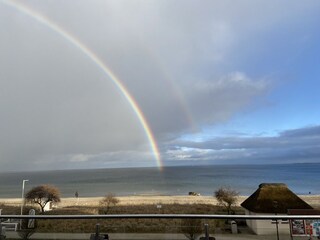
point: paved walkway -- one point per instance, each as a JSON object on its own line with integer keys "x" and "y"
{"x": 153, "y": 236}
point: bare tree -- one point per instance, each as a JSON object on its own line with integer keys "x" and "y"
{"x": 226, "y": 197}
{"x": 191, "y": 228}
{"x": 108, "y": 201}
{"x": 42, "y": 195}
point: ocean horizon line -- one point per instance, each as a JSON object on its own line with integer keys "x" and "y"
{"x": 155, "y": 167}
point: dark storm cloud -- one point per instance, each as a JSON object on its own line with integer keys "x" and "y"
{"x": 297, "y": 145}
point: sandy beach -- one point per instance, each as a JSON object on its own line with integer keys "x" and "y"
{"x": 313, "y": 200}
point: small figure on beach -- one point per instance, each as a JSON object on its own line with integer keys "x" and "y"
{"x": 76, "y": 194}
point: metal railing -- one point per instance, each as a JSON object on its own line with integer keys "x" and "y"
{"x": 165, "y": 216}
{"x": 51, "y": 225}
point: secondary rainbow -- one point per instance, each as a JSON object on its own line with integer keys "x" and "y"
{"x": 94, "y": 58}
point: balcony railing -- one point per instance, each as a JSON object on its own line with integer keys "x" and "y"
{"x": 160, "y": 226}
{"x": 165, "y": 216}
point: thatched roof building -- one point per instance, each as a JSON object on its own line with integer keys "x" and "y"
{"x": 274, "y": 198}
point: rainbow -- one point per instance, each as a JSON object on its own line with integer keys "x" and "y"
{"x": 173, "y": 87}
{"x": 99, "y": 63}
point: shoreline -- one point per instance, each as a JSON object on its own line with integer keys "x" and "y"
{"x": 313, "y": 200}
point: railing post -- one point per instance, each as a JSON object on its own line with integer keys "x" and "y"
{"x": 277, "y": 229}
{"x": 206, "y": 231}
{"x": 275, "y": 205}
{"x": 97, "y": 231}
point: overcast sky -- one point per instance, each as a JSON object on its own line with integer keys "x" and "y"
{"x": 219, "y": 82}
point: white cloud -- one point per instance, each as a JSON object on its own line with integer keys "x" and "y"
{"x": 216, "y": 100}
{"x": 80, "y": 158}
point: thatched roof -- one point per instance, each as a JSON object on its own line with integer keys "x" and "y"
{"x": 303, "y": 212}
{"x": 274, "y": 198}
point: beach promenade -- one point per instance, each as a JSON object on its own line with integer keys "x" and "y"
{"x": 153, "y": 236}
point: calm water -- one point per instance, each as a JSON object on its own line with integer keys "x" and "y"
{"x": 300, "y": 178}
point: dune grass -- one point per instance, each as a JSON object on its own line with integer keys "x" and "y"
{"x": 124, "y": 225}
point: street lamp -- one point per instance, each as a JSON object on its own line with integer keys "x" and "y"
{"x": 22, "y": 195}
{"x": 22, "y": 199}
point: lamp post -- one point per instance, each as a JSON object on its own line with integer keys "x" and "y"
{"x": 22, "y": 195}
{"x": 22, "y": 199}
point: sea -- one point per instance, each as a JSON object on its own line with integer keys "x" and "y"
{"x": 300, "y": 178}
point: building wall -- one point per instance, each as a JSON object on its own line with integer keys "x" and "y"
{"x": 261, "y": 227}
{"x": 251, "y": 223}
{"x": 48, "y": 207}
